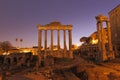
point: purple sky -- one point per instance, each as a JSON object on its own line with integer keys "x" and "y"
{"x": 18, "y": 18}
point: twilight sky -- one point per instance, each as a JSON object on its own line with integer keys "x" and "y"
{"x": 19, "y": 18}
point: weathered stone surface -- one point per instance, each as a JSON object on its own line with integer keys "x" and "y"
{"x": 52, "y": 27}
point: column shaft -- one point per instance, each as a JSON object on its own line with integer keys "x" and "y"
{"x": 109, "y": 36}
{"x": 70, "y": 44}
{"x": 65, "y": 48}
{"x": 102, "y": 36}
{"x": 99, "y": 36}
{"x": 58, "y": 39}
{"x": 65, "y": 40}
{"x": 104, "y": 56}
{"x": 45, "y": 39}
{"x": 70, "y": 40}
{"x": 39, "y": 40}
{"x": 51, "y": 41}
{"x": 110, "y": 41}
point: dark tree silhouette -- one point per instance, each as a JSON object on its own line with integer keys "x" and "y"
{"x": 6, "y": 46}
{"x": 16, "y": 39}
{"x": 85, "y": 40}
{"x": 21, "y": 40}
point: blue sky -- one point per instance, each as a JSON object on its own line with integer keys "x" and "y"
{"x": 19, "y": 18}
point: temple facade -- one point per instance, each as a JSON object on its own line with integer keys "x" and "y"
{"x": 52, "y": 27}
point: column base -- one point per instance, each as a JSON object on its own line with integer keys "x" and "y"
{"x": 102, "y": 56}
{"x": 110, "y": 55}
{"x": 64, "y": 53}
{"x": 71, "y": 54}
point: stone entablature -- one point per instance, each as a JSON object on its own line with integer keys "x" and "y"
{"x": 64, "y": 27}
{"x": 54, "y": 26}
{"x": 101, "y": 18}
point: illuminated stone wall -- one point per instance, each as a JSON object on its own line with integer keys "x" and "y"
{"x": 94, "y": 37}
{"x": 114, "y": 15}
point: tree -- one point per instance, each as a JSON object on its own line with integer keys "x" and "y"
{"x": 16, "y": 42}
{"x": 85, "y": 40}
{"x": 89, "y": 39}
{"x": 16, "y": 39}
{"x": 6, "y": 46}
{"x": 21, "y": 40}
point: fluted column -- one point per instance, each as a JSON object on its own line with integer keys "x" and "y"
{"x": 39, "y": 40}
{"x": 45, "y": 39}
{"x": 99, "y": 36}
{"x": 51, "y": 42}
{"x": 109, "y": 36}
{"x": 110, "y": 41}
{"x": 104, "y": 56}
{"x": 65, "y": 49}
{"x": 70, "y": 44}
{"x": 58, "y": 39}
{"x": 99, "y": 57}
{"x": 45, "y": 43}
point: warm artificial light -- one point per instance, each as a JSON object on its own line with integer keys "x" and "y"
{"x": 94, "y": 41}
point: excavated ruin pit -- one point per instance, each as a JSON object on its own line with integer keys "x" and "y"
{"x": 83, "y": 75}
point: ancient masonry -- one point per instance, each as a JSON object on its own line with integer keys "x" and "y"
{"x": 52, "y": 27}
{"x": 104, "y": 54}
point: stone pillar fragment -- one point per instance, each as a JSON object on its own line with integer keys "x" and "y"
{"x": 39, "y": 41}
{"x": 111, "y": 53}
{"x": 58, "y": 39}
{"x": 104, "y": 53}
{"x": 99, "y": 57}
{"x": 45, "y": 43}
{"x": 109, "y": 36}
{"x": 65, "y": 48}
{"x": 58, "y": 44}
{"x": 104, "y": 56}
{"x": 99, "y": 37}
{"x": 51, "y": 42}
{"x": 70, "y": 44}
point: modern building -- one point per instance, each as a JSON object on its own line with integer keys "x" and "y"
{"x": 114, "y": 15}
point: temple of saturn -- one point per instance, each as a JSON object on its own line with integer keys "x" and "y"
{"x": 104, "y": 54}
{"x": 52, "y": 27}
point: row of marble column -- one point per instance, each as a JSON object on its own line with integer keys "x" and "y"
{"x": 52, "y": 41}
{"x": 101, "y": 39}
{"x": 101, "y": 34}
